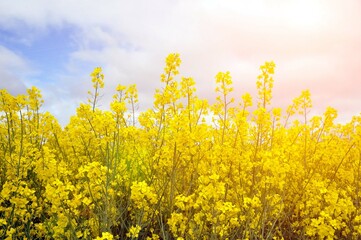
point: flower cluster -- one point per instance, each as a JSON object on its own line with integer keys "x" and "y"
{"x": 184, "y": 169}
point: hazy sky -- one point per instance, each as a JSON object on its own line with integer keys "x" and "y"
{"x": 55, "y": 45}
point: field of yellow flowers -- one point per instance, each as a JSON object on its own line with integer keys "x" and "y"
{"x": 185, "y": 169}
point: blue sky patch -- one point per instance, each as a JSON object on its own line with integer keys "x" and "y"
{"x": 47, "y": 51}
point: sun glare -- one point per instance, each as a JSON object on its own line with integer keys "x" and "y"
{"x": 307, "y": 15}
{"x": 304, "y": 15}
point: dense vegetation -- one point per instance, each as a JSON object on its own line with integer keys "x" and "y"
{"x": 185, "y": 169}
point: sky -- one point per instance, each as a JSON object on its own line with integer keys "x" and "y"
{"x": 55, "y": 45}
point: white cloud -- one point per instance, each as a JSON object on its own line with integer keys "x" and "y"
{"x": 312, "y": 43}
{"x": 13, "y": 68}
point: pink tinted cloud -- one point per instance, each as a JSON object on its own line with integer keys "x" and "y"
{"x": 324, "y": 56}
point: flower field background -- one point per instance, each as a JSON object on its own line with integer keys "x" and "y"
{"x": 185, "y": 169}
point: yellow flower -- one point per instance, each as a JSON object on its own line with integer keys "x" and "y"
{"x": 2, "y": 221}
{"x": 134, "y": 231}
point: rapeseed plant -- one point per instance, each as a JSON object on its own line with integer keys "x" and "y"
{"x": 265, "y": 173}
